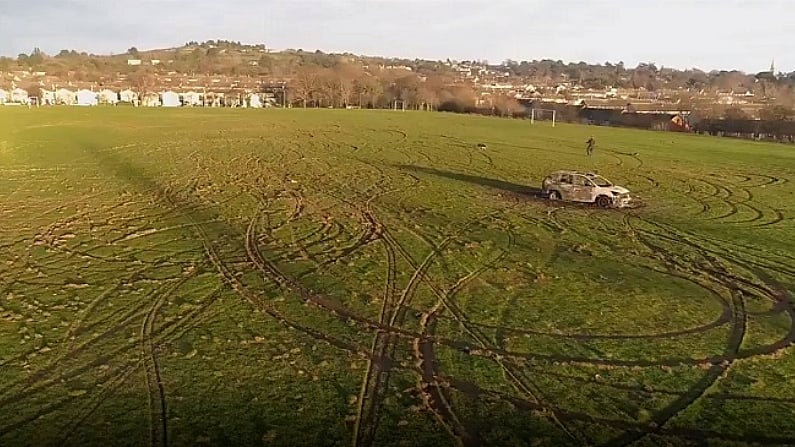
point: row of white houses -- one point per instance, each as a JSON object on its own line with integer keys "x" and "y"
{"x": 168, "y": 98}
{"x": 15, "y": 96}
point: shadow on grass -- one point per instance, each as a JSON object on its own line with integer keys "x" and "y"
{"x": 503, "y": 185}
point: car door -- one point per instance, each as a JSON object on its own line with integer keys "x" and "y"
{"x": 581, "y": 190}
{"x": 566, "y": 186}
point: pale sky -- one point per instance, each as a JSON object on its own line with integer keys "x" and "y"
{"x": 708, "y": 34}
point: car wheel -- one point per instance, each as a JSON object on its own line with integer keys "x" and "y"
{"x": 554, "y": 195}
{"x": 604, "y": 202}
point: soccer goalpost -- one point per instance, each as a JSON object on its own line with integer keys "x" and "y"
{"x": 543, "y": 115}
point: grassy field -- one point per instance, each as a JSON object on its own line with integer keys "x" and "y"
{"x": 241, "y": 277}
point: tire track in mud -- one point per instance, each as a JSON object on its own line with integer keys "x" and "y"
{"x": 427, "y": 360}
{"x": 762, "y": 285}
{"x": 634, "y": 156}
{"x": 723, "y": 318}
{"x": 392, "y": 328}
{"x": 525, "y": 406}
{"x": 386, "y": 333}
{"x": 327, "y": 304}
{"x": 697, "y": 391}
{"x": 399, "y": 144}
{"x": 376, "y": 373}
{"x": 108, "y": 388}
{"x": 725, "y": 195}
{"x": 718, "y": 365}
{"x": 43, "y": 378}
{"x": 79, "y": 321}
{"x": 158, "y": 422}
{"x": 169, "y": 332}
{"x": 513, "y": 372}
{"x": 702, "y": 198}
{"x": 675, "y": 235}
{"x": 731, "y": 352}
{"x": 434, "y": 395}
{"x": 387, "y": 348}
{"x": 376, "y": 359}
{"x": 131, "y": 363}
{"x": 51, "y": 407}
{"x": 692, "y": 194}
{"x": 722, "y": 194}
{"x": 371, "y": 390}
{"x": 66, "y": 339}
{"x": 734, "y": 204}
{"x": 230, "y": 277}
{"x": 768, "y": 181}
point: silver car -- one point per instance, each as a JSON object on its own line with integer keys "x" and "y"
{"x": 587, "y": 187}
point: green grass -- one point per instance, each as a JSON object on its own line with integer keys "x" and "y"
{"x": 230, "y": 277}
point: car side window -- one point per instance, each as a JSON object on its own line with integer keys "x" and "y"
{"x": 579, "y": 180}
{"x": 565, "y": 179}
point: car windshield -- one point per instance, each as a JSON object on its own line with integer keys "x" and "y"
{"x": 601, "y": 181}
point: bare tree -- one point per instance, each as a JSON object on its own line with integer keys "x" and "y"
{"x": 458, "y": 98}
{"x": 506, "y": 106}
{"x": 347, "y": 75}
{"x": 34, "y": 91}
{"x": 369, "y": 89}
{"x": 143, "y": 80}
{"x": 404, "y": 88}
{"x": 305, "y": 84}
{"x": 326, "y": 92}
{"x": 427, "y": 98}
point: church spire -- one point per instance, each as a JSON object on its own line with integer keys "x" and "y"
{"x": 773, "y": 66}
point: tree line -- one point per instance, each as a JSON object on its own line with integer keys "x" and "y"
{"x": 223, "y": 57}
{"x": 318, "y": 79}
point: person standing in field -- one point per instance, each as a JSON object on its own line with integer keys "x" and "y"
{"x": 590, "y": 145}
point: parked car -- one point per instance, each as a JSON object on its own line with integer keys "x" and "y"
{"x": 574, "y": 186}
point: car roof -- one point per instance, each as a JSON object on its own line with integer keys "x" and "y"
{"x": 587, "y": 174}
